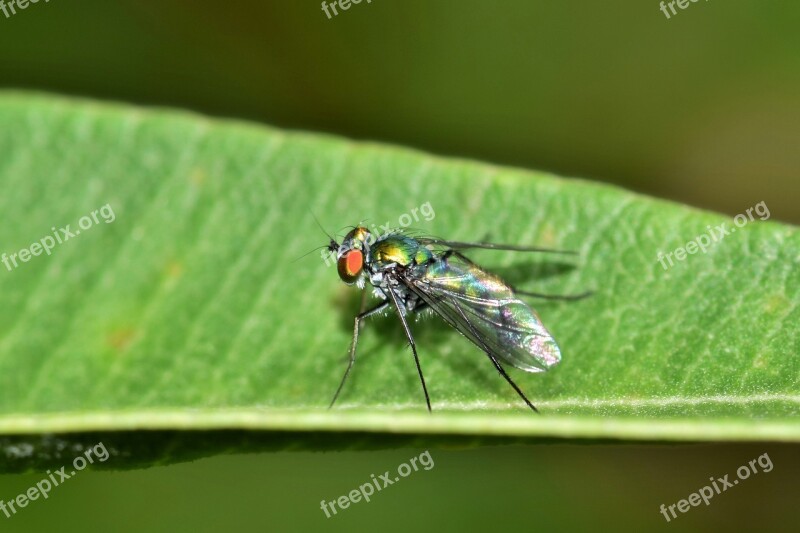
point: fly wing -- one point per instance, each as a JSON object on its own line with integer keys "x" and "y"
{"x": 486, "y": 311}
{"x": 458, "y": 245}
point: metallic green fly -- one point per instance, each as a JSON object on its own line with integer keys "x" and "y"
{"x": 411, "y": 274}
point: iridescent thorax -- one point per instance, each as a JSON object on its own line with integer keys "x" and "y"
{"x": 401, "y": 250}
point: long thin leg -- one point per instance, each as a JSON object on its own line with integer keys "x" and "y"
{"x": 410, "y": 337}
{"x": 494, "y": 359}
{"x": 511, "y": 382}
{"x": 359, "y": 319}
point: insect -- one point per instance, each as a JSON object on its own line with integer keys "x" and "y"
{"x": 413, "y": 274}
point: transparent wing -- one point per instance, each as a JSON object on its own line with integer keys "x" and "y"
{"x": 486, "y": 311}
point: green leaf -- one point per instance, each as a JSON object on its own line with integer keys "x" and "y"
{"x": 190, "y": 311}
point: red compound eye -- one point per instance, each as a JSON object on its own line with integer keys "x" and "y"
{"x": 350, "y": 265}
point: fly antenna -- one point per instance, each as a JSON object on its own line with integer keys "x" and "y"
{"x": 320, "y": 226}
{"x": 332, "y": 244}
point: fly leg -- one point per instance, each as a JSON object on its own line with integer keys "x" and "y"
{"x": 356, "y": 328}
{"x": 494, "y": 359}
{"x": 411, "y": 342}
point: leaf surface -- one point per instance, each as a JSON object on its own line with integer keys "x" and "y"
{"x": 191, "y": 311}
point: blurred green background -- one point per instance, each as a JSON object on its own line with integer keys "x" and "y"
{"x": 703, "y": 108}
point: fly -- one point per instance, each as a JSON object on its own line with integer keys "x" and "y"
{"x": 410, "y": 274}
